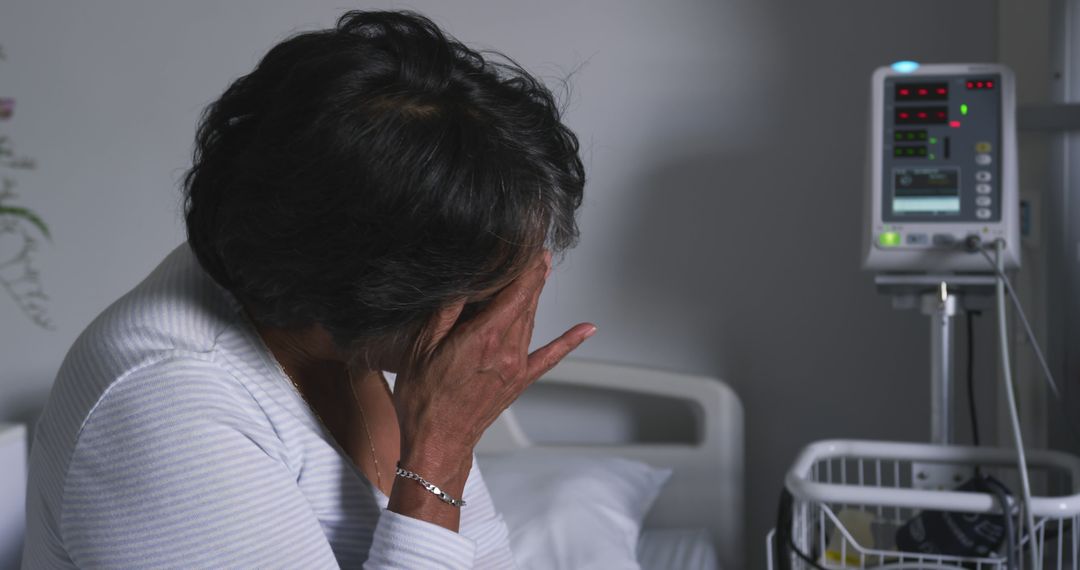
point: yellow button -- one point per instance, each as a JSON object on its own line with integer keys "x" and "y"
{"x": 983, "y": 147}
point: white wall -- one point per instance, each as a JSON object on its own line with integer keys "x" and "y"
{"x": 724, "y": 143}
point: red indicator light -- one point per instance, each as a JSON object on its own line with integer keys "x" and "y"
{"x": 954, "y": 124}
{"x": 923, "y": 92}
{"x": 942, "y": 91}
{"x": 989, "y": 84}
{"x": 921, "y": 115}
{"x": 903, "y": 115}
{"x": 941, "y": 114}
{"x": 905, "y": 92}
{"x": 970, "y": 84}
{"x": 979, "y": 84}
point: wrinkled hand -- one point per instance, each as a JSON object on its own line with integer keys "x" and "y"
{"x": 463, "y": 375}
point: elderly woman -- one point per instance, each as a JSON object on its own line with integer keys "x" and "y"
{"x": 373, "y": 197}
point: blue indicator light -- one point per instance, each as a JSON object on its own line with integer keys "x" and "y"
{"x": 905, "y": 66}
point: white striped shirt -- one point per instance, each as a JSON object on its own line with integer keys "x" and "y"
{"x": 171, "y": 439}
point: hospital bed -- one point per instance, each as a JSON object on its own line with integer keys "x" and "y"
{"x": 584, "y": 412}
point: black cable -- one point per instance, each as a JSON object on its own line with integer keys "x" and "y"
{"x": 971, "y": 378}
{"x": 784, "y": 516}
{"x": 794, "y": 548}
{"x": 785, "y": 542}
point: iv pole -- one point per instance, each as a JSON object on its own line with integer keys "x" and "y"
{"x": 941, "y": 308}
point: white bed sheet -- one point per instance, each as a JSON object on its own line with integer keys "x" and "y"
{"x": 684, "y": 549}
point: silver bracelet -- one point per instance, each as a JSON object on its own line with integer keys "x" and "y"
{"x": 402, "y": 472}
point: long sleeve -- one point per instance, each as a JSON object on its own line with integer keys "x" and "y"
{"x": 169, "y": 471}
{"x": 483, "y": 543}
{"x": 405, "y": 543}
{"x": 483, "y": 531}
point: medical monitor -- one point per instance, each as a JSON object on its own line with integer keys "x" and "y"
{"x": 942, "y": 167}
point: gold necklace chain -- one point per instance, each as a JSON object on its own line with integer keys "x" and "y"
{"x": 367, "y": 430}
{"x": 363, "y": 416}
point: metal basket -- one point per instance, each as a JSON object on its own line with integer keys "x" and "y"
{"x": 883, "y": 485}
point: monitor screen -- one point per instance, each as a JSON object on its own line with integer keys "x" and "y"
{"x": 926, "y": 191}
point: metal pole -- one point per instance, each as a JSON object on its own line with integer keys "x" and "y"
{"x": 941, "y": 307}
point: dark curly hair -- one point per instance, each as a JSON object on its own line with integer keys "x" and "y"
{"x": 363, "y": 176}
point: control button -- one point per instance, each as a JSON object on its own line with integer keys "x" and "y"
{"x": 983, "y": 213}
{"x": 944, "y": 239}
{"x": 983, "y": 201}
{"x": 983, "y": 146}
{"x": 984, "y": 176}
{"x": 889, "y": 239}
{"x": 918, "y": 239}
{"x": 983, "y": 188}
{"x": 983, "y": 159}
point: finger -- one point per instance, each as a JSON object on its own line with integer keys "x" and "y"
{"x": 442, "y": 322}
{"x": 508, "y": 305}
{"x": 546, "y": 357}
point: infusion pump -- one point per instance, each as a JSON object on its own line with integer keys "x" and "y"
{"x": 942, "y": 167}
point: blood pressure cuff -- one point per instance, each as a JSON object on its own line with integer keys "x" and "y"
{"x": 953, "y": 533}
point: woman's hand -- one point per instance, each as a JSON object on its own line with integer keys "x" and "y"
{"x": 463, "y": 375}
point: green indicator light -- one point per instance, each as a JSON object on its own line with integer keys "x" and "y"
{"x": 889, "y": 239}
{"x": 932, "y": 157}
{"x": 933, "y": 140}
{"x": 963, "y": 109}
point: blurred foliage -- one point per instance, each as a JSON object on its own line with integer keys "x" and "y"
{"x": 20, "y": 228}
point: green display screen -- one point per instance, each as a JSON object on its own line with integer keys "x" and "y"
{"x": 917, "y": 135}
{"x": 909, "y": 151}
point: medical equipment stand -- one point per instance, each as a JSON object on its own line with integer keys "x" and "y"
{"x": 941, "y": 308}
{"x": 941, "y": 297}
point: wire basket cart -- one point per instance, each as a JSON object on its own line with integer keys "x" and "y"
{"x": 849, "y": 498}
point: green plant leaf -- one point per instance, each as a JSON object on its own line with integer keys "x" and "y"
{"x": 28, "y": 216}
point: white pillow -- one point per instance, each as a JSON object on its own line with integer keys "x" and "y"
{"x": 569, "y": 511}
